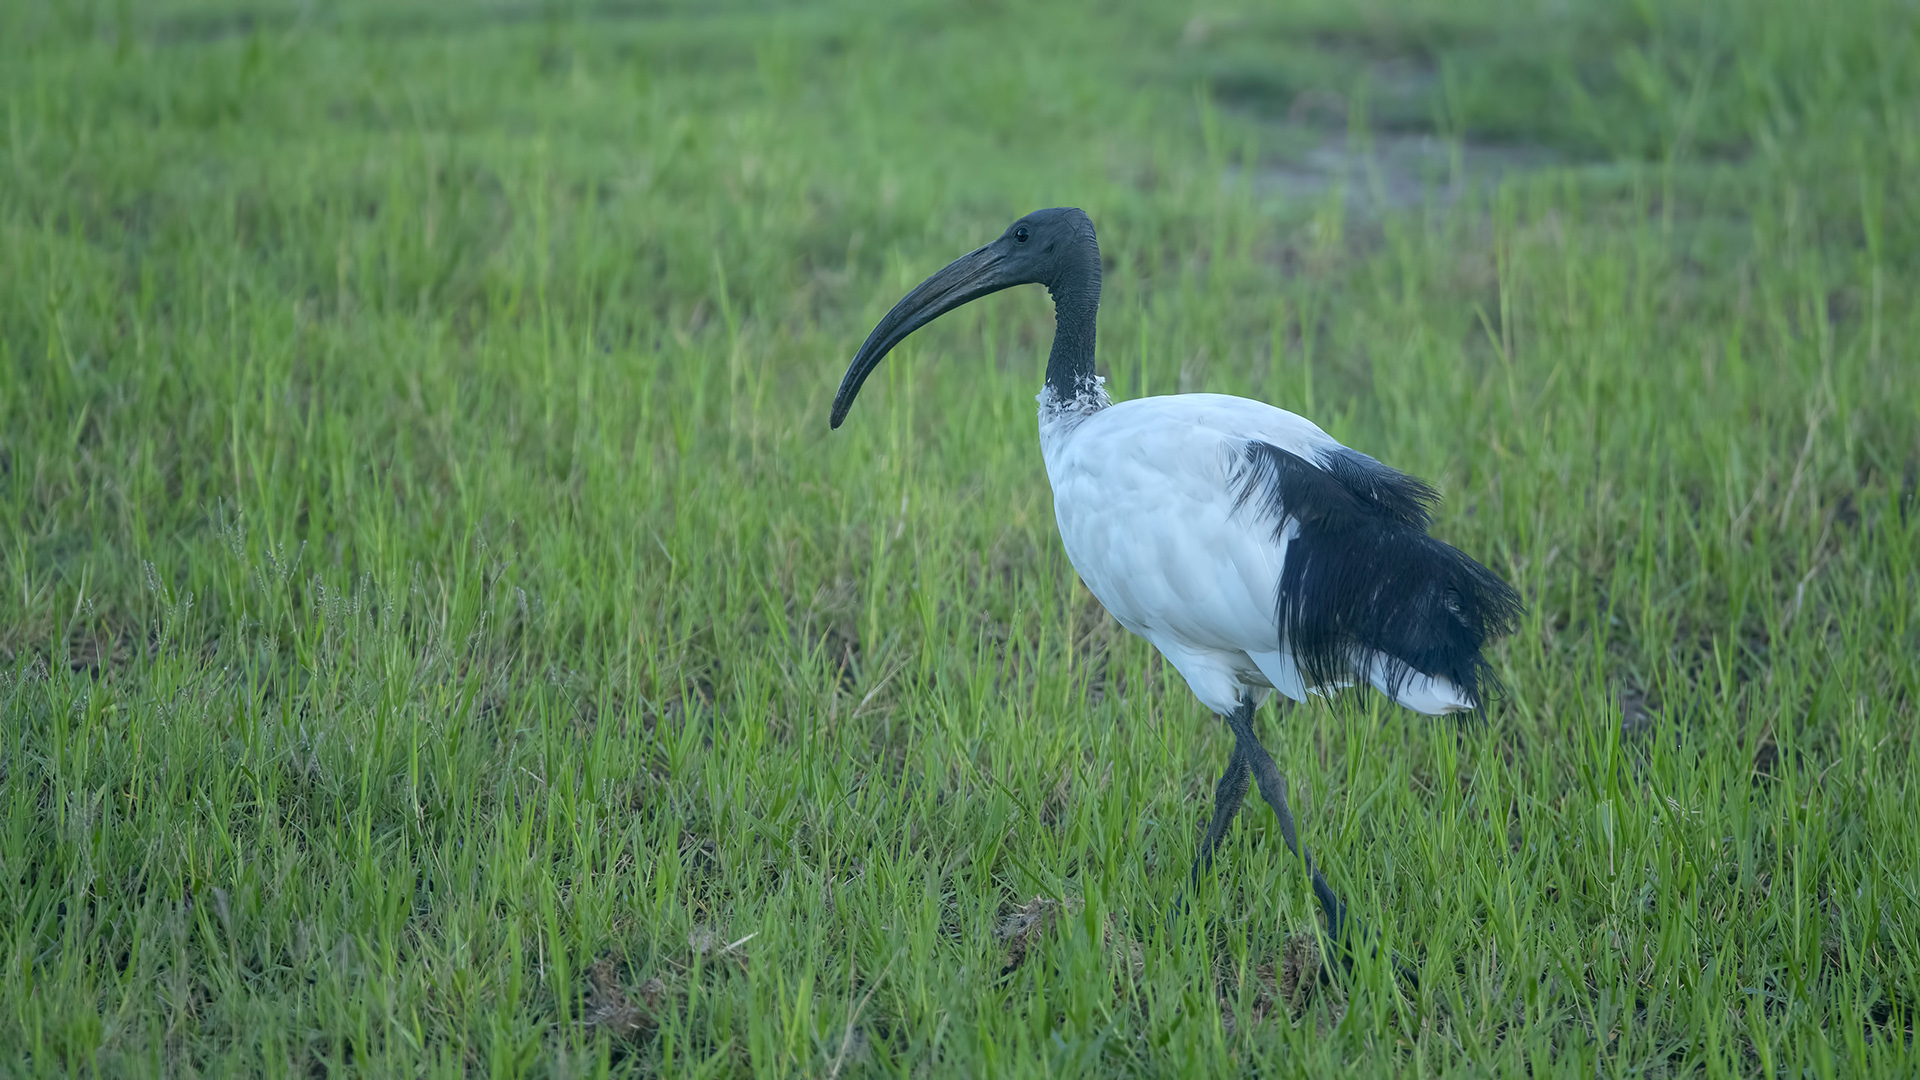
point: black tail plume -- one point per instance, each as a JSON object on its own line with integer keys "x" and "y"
{"x": 1362, "y": 575}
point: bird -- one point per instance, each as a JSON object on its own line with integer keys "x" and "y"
{"x": 1256, "y": 553}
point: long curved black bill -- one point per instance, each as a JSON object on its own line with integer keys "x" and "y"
{"x": 967, "y": 278}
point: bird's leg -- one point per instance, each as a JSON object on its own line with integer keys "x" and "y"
{"x": 1227, "y": 797}
{"x": 1273, "y": 788}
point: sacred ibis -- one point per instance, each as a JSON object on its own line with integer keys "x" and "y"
{"x": 1255, "y": 552}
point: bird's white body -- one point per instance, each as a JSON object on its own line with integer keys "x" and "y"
{"x": 1152, "y": 518}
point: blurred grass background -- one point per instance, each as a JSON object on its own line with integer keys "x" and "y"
{"x": 439, "y": 634}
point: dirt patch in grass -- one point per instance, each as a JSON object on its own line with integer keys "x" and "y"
{"x": 1286, "y": 986}
{"x": 1395, "y": 171}
{"x": 1023, "y": 928}
{"x": 610, "y": 1009}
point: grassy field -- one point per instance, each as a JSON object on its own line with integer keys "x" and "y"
{"x": 439, "y": 634}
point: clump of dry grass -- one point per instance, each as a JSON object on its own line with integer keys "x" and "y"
{"x": 611, "y": 1010}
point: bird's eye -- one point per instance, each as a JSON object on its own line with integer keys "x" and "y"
{"x": 1020, "y": 234}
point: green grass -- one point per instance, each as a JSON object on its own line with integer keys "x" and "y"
{"x": 439, "y": 634}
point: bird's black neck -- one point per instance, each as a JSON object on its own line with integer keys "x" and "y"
{"x": 1076, "y": 306}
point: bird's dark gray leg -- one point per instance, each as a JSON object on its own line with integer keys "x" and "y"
{"x": 1273, "y": 788}
{"x": 1227, "y": 797}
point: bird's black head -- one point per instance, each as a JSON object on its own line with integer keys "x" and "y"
{"x": 1048, "y": 247}
{"x": 1055, "y": 248}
